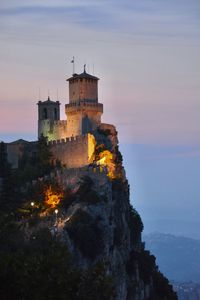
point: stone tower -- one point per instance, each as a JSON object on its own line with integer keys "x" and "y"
{"x": 83, "y": 111}
{"x": 48, "y": 113}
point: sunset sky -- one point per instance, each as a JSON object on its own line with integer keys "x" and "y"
{"x": 146, "y": 54}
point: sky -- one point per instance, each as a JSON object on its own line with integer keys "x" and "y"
{"x": 146, "y": 54}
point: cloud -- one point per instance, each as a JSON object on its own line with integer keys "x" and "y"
{"x": 145, "y": 52}
{"x": 145, "y": 19}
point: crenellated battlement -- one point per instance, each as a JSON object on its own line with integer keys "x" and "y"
{"x": 72, "y": 139}
{"x": 74, "y": 152}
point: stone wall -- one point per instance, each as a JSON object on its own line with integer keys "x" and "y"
{"x": 74, "y": 152}
{"x": 83, "y": 117}
{"x": 16, "y": 149}
{"x": 80, "y": 89}
{"x": 71, "y": 177}
{"x": 53, "y": 130}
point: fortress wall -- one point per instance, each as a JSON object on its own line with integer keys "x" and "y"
{"x": 43, "y": 127}
{"x": 53, "y": 130}
{"x": 14, "y": 152}
{"x": 60, "y": 129}
{"x": 74, "y": 152}
{"x": 74, "y": 124}
{"x": 70, "y": 177}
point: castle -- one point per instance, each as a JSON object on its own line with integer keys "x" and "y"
{"x": 72, "y": 141}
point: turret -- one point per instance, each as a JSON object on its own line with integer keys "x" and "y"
{"x": 83, "y": 87}
{"x": 83, "y": 111}
{"x": 48, "y": 113}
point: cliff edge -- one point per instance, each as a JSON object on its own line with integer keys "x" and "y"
{"x": 76, "y": 233}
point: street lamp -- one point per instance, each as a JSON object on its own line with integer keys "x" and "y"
{"x": 56, "y": 212}
{"x": 32, "y": 204}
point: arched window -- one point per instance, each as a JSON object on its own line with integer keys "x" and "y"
{"x": 45, "y": 116}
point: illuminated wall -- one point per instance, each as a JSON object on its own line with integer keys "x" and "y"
{"x": 74, "y": 152}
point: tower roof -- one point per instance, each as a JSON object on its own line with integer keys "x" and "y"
{"x": 49, "y": 101}
{"x": 83, "y": 75}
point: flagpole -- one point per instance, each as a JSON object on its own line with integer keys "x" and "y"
{"x": 73, "y": 62}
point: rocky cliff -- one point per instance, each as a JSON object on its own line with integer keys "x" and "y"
{"x": 109, "y": 229}
{"x": 89, "y": 211}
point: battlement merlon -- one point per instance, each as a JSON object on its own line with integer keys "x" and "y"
{"x": 82, "y": 106}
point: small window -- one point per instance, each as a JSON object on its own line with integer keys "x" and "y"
{"x": 55, "y": 114}
{"x": 45, "y": 116}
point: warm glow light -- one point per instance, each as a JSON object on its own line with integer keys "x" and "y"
{"x": 32, "y": 203}
{"x": 52, "y": 198}
{"x": 91, "y": 147}
{"x": 56, "y": 211}
{"x": 106, "y": 159}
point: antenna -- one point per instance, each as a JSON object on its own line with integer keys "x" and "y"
{"x": 48, "y": 95}
{"x": 57, "y": 94}
{"x": 73, "y": 62}
{"x": 93, "y": 68}
{"x": 39, "y": 93}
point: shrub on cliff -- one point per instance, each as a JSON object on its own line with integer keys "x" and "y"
{"x": 105, "y": 132}
{"x": 135, "y": 225}
{"x": 162, "y": 288}
{"x": 150, "y": 274}
{"x": 42, "y": 268}
{"x": 86, "y": 192}
{"x": 34, "y": 164}
{"x": 6, "y": 180}
{"x": 86, "y": 234}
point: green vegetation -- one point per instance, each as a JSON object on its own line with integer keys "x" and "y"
{"x": 86, "y": 234}
{"x": 148, "y": 272}
{"x": 69, "y": 197}
{"x": 86, "y": 192}
{"x": 119, "y": 157}
{"x": 6, "y": 179}
{"x": 33, "y": 263}
{"x": 41, "y": 267}
{"x": 98, "y": 149}
{"x": 32, "y": 259}
{"x": 35, "y": 164}
{"x": 13, "y": 182}
{"x": 105, "y": 132}
{"x": 135, "y": 225}
{"x": 162, "y": 288}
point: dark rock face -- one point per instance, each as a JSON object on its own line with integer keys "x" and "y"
{"x": 96, "y": 225}
{"x": 101, "y": 225}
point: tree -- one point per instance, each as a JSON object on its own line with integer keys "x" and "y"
{"x": 6, "y": 183}
{"x": 44, "y": 157}
{"x": 3, "y": 159}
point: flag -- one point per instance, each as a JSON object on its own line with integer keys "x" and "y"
{"x": 72, "y": 61}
